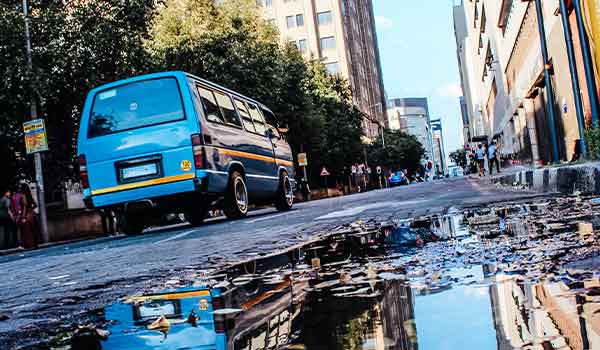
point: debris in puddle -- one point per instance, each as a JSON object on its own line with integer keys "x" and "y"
{"x": 336, "y": 291}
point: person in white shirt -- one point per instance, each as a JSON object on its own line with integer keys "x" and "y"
{"x": 480, "y": 158}
{"x": 493, "y": 158}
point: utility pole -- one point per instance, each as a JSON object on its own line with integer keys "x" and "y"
{"x": 590, "y": 78}
{"x": 574, "y": 75}
{"x": 548, "y": 81}
{"x": 39, "y": 174}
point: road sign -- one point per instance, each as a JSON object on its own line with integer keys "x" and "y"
{"x": 378, "y": 169}
{"x": 324, "y": 172}
{"x": 302, "y": 159}
{"x": 35, "y": 136}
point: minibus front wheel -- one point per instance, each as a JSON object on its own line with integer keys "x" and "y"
{"x": 285, "y": 193}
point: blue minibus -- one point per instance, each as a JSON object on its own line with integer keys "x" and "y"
{"x": 174, "y": 143}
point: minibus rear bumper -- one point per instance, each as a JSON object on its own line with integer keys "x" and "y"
{"x": 198, "y": 185}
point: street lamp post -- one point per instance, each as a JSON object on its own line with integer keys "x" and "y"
{"x": 39, "y": 175}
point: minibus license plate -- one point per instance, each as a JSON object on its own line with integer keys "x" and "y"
{"x": 140, "y": 171}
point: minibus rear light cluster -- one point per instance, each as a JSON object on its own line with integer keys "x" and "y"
{"x": 198, "y": 149}
{"x": 83, "y": 172}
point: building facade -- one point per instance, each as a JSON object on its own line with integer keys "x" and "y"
{"x": 411, "y": 115}
{"x": 502, "y": 76}
{"x": 342, "y": 35}
{"x": 439, "y": 152}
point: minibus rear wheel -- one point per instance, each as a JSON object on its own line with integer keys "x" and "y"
{"x": 196, "y": 216}
{"x": 236, "y": 199}
{"x": 130, "y": 224}
{"x": 285, "y": 193}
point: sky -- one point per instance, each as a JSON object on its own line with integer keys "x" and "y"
{"x": 418, "y": 57}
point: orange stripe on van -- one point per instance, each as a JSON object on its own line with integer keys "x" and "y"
{"x": 159, "y": 181}
{"x": 247, "y": 155}
{"x": 171, "y": 296}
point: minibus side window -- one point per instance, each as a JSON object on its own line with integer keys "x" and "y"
{"x": 271, "y": 121}
{"x": 259, "y": 123}
{"x": 241, "y": 107}
{"x": 211, "y": 108}
{"x": 227, "y": 109}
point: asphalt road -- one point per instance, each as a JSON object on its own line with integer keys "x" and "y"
{"x": 58, "y": 285}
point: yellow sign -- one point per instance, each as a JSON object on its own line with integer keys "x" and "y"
{"x": 302, "y": 159}
{"x": 203, "y": 304}
{"x": 186, "y": 165}
{"x": 35, "y": 136}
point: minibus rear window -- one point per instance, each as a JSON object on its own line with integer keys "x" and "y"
{"x": 136, "y": 105}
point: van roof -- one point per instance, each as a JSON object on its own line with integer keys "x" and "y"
{"x": 174, "y": 74}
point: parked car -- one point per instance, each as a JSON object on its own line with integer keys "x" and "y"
{"x": 398, "y": 178}
{"x": 172, "y": 142}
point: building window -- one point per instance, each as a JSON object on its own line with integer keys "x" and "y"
{"x": 333, "y": 68}
{"x": 328, "y": 43}
{"x": 291, "y": 21}
{"x": 295, "y": 21}
{"x": 324, "y": 18}
{"x": 264, "y": 3}
{"x": 302, "y": 46}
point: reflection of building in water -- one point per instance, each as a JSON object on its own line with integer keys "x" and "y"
{"x": 384, "y": 323}
{"x": 542, "y": 316}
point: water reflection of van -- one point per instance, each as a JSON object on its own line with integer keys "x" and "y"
{"x": 172, "y": 142}
{"x": 179, "y": 319}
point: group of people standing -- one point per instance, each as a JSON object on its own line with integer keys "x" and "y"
{"x": 18, "y": 218}
{"x": 489, "y": 152}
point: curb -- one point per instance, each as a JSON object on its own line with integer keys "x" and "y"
{"x": 88, "y": 240}
{"x": 583, "y": 178}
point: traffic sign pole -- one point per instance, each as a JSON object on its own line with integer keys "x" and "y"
{"x": 39, "y": 173}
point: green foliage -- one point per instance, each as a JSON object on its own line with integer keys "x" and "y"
{"x": 592, "y": 138}
{"x": 459, "y": 157}
{"x": 82, "y": 44}
{"x": 401, "y": 151}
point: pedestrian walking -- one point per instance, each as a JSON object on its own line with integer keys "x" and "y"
{"x": 7, "y": 222}
{"x": 480, "y": 158}
{"x": 26, "y": 217}
{"x": 493, "y": 158}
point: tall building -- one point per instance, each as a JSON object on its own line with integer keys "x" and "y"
{"x": 439, "y": 151}
{"x": 502, "y": 74}
{"x": 411, "y": 115}
{"x": 341, "y": 34}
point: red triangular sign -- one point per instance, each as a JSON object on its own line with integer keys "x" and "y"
{"x": 324, "y": 172}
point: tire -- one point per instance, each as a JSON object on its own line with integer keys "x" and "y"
{"x": 130, "y": 225}
{"x": 285, "y": 193}
{"x": 236, "y": 199}
{"x": 196, "y": 216}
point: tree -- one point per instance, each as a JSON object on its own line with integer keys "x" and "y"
{"x": 401, "y": 151}
{"x": 77, "y": 45}
{"x": 459, "y": 157}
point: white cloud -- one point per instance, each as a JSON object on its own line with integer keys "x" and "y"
{"x": 384, "y": 22}
{"x": 450, "y": 90}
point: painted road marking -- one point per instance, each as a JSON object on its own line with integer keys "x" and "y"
{"x": 268, "y": 217}
{"x": 183, "y": 234}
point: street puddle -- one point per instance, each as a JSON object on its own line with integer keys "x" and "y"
{"x": 520, "y": 276}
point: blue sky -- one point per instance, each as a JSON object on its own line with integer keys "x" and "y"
{"x": 418, "y": 55}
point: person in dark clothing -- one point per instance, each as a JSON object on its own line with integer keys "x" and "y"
{"x": 7, "y": 221}
{"x": 27, "y": 219}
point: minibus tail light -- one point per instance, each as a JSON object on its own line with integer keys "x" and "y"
{"x": 83, "y": 172}
{"x": 198, "y": 149}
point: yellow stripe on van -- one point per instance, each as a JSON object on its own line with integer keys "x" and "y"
{"x": 159, "y": 181}
{"x": 233, "y": 153}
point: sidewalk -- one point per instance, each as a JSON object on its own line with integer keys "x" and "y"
{"x": 566, "y": 179}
